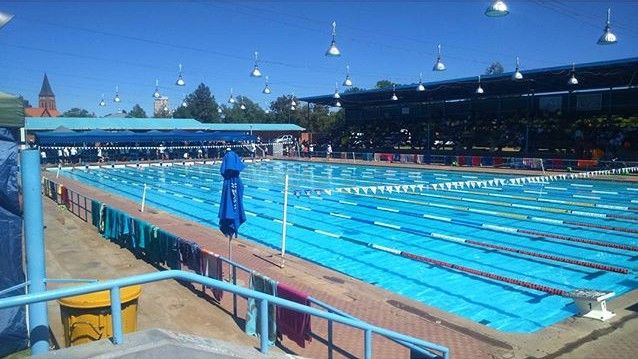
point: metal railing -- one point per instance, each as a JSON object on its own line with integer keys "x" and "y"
{"x": 264, "y": 300}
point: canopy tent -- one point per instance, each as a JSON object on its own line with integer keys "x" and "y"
{"x": 11, "y": 111}
{"x": 119, "y": 137}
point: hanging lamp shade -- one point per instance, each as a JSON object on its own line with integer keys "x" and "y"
{"x": 292, "y": 108}
{"x": 479, "y": 89}
{"x": 608, "y": 37}
{"x": 420, "y": 87}
{"x": 242, "y": 106}
{"x": 231, "y": 99}
{"x": 156, "y": 94}
{"x": 338, "y": 103}
{"x": 5, "y": 18}
{"x": 573, "y": 81}
{"x": 219, "y": 110}
{"x": 117, "y": 94}
{"x": 102, "y": 102}
{"x": 165, "y": 108}
{"x": 497, "y": 8}
{"x": 255, "y": 72}
{"x": 336, "y": 94}
{"x": 394, "y": 93}
{"x": 292, "y": 102}
{"x": 348, "y": 81}
{"x": 332, "y": 49}
{"x": 517, "y": 75}
{"x": 180, "y": 80}
{"x": 266, "y": 89}
{"x": 184, "y": 103}
{"x": 439, "y": 65}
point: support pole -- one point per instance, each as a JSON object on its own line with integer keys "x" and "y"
{"x": 34, "y": 243}
{"x": 116, "y": 316}
{"x": 284, "y": 221}
{"x": 143, "y": 198}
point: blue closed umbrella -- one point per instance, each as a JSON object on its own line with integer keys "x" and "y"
{"x": 231, "y": 207}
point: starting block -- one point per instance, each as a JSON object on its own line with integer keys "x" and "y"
{"x": 592, "y": 303}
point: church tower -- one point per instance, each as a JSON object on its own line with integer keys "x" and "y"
{"x": 47, "y": 98}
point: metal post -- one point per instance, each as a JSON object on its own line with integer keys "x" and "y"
{"x": 234, "y": 278}
{"x": 284, "y": 221}
{"x": 263, "y": 325}
{"x": 368, "y": 344}
{"x": 330, "y": 345}
{"x": 116, "y": 316}
{"x": 34, "y": 243}
{"x": 143, "y": 198}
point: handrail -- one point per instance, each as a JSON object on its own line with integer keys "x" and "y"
{"x": 264, "y": 299}
{"x": 319, "y": 303}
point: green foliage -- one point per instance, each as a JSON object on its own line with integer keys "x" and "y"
{"x": 251, "y": 114}
{"x": 25, "y": 102}
{"x": 78, "y": 112}
{"x": 201, "y": 105}
{"x": 496, "y": 68}
{"x": 381, "y": 84}
{"x": 137, "y": 112}
{"x": 355, "y": 89}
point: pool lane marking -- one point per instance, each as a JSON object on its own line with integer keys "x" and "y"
{"x": 456, "y": 239}
{"x": 483, "y": 244}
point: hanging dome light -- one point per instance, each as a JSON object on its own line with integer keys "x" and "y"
{"x": 348, "y": 81}
{"x": 219, "y": 110}
{"x": 394, "y": 94}
{"x": 333, "y": 50}
{"x": 517, "y": 75}
{"x": 292, "y": 108}
{"x": 255, "y": 72}
{"x": 573, "y": 81}
{"x": 180, "y": 80}
{"x": 420, "y": 87}
{"x": 336, "y": 94}
{"x": 165, "y": 108}
{"x": 5, "y": 18}
{"x": 292, "y": 101}
{"x": 184, "y": 103}
{"x": 117, "y": 94}
{"x": 156, "y": 94}
{"x": 498, "y": 8}
{"x": 439, "y": 66}
{"x": 102, "y": 102}
{"x": 338, "y": 103}
{"x": 266, "y": 89}
{"x": 608, "y": 37}
{"x": 243, "y": 107}
{"x": 231, "y": 99}
{"x": 479, "y": 89}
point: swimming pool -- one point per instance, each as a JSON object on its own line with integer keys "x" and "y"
{"x": 567, "y": 234}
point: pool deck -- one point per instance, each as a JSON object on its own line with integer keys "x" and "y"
{"x": 572, "y": 338}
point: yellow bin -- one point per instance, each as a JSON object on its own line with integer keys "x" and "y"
{"x": 87, "y": 317}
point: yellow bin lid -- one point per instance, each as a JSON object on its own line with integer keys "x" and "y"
{"x": 101, "y": 299}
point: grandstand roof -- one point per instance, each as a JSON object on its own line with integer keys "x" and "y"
{"x": 89, "y": 123}
{"x": 595, "y": 75}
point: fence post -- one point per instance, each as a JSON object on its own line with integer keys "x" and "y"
{"x": 234, "y": 294}
{"x": 263, "y": 325}
{"x": 368, "y": 344}
{"x": 284, "y": 221}
{"x": 330, "y": 345}
{"x": 116, "y": 316}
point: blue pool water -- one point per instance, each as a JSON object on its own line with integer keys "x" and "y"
{"x": 325, "y": 229}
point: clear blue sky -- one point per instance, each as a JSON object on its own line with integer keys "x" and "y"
{"x": 89, "y": 47}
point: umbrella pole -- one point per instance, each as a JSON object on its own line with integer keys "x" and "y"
{"x": 283, "y": 222}
{"x": 230, "y": 257}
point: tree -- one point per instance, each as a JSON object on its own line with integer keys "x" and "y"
{"x": 78, "y": 112}
{"x": 495, "y": 69}
{"x": 354, "y": 89}
{"x": 200, "y": 105}
{"x": 381, "y": 84}
{"x": 251, "y": 114}
{"x": 137, "y": 112}
{"x": 25, "y": 102}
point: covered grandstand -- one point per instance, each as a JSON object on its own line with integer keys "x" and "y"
{"x": 541, "y": 114}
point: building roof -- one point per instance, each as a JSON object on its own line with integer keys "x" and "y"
{"x": 88, "y": 123}
{"x": 46, "y": 90}
{"x": 596, "y": 75}
{"x": 41, "y": 112}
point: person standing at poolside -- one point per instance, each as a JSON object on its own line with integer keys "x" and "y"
{"x": 329, "y": 151}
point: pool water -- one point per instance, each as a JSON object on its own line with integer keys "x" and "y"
{"x": 594, "y": 222}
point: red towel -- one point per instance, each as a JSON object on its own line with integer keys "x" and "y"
{"x": 295, "y": 325}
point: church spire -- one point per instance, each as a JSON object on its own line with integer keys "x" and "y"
{"x": 46, "y": 91}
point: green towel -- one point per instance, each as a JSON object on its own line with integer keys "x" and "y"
{"x": 265, "y": 285}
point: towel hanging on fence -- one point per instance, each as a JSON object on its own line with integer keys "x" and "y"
{"x": 190, "y": 254}
{"x": 212, "y": 268}
{"x": 265, "y": 285}
{"x": 291, "y": 323}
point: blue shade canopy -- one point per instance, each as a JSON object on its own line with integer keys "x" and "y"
{"x": 231, "y": 206}
{"x": 123, "y": 137}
